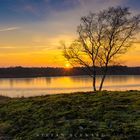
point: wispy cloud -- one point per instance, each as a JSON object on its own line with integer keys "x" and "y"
{"x": 9, "y": 29}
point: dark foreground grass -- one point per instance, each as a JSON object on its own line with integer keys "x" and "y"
{"x": 79, "y": 116}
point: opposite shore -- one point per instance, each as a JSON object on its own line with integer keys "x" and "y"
{"x": 21, "y": 72}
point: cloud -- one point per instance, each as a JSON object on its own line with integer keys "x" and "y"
{"x": 65, "y": 22}
{"x": 9, "y": 29}
{"x": 15, "y": 49}
{"x": 136, "y": 42}
{"x": 29, "y": 8}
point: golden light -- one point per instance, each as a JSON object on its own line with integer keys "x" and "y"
{"x": 67, "y": 65}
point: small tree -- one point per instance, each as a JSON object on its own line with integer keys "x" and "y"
{"x": 102, "y": 37}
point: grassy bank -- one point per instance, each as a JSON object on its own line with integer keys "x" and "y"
{"x": 106, "y": 115}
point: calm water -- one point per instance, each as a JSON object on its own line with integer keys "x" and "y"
{"x": 17, "y": 87}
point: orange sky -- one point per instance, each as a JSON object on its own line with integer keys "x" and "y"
{"x": 43, "y": 51}
{"x": 30, "y": 33}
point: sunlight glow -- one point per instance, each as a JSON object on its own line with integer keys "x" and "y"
{"x": 67, "y": 65}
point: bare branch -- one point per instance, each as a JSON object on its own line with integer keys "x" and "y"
{"x": 102, "y": 37}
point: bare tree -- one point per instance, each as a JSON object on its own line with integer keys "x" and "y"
{"x": 102, "y": 37}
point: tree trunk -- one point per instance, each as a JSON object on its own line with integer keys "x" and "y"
{"x": 94, "y": 79}
{"x": 94, "y": 82}
{"x": 103, "y": 79}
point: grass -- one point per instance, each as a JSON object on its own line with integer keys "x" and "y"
{"x": 79, "y": 116}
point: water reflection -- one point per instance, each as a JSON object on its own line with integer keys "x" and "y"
{"x": 17, "y": 87}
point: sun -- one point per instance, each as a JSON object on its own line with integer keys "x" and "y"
{"x": 67, "y": 65}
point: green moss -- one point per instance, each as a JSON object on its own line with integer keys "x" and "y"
{"x": 101, "y": 115}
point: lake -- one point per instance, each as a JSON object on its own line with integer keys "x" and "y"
{"x": 18, "y": 87}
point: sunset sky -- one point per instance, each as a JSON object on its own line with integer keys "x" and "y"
{"x": 31, "y": 30}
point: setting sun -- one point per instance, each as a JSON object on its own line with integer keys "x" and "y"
{"x": 67, "y": 65}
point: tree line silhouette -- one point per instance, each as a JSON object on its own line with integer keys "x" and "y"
{"x": 21, "y": 72}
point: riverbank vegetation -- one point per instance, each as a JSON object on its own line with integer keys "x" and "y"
{"x": 22, "y": 72}
{"x": 90, "y": 115}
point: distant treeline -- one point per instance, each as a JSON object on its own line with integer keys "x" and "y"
{"x": 18, "y": 72}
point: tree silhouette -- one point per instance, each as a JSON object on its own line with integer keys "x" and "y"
{"x": 101, "y": 38}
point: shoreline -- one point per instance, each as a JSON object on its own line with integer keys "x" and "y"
{"x": 29, "y": 72}
{"x": 67, "y": 76}
{"x": 67, "y": 93}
